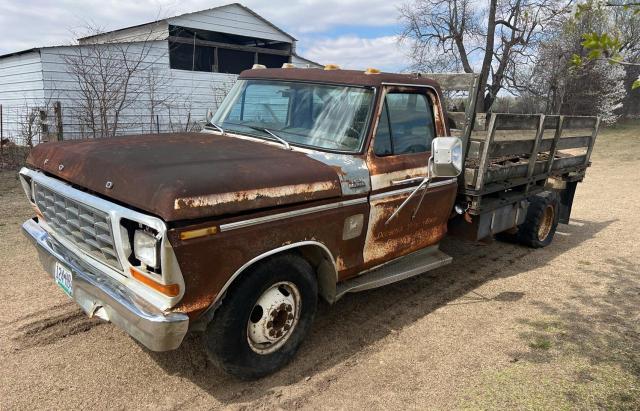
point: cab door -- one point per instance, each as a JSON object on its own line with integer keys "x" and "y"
{"x": 397, "y": 158}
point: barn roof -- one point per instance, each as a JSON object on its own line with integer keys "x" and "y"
{"x": 166, "y": 20}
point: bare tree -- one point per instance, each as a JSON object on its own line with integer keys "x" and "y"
{"x": 110, "y": 77}
{"x": 443, "y": 34}
{"x": 593, "y": 88}
{"x": 34, "y": 121}
{"x": 160, "y": 96}
{"x": 494, "y": 40}
{"x": 220, "y": 89}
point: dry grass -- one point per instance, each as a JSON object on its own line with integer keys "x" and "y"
{"x": 502, "y": 327}
{"x": 13, "y": 157}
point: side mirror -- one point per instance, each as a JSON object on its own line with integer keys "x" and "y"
{"x": 446, "y": 154}
{"x": 445, "y": 161}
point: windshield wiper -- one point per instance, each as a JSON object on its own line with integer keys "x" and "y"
{"x": 280, "y": 139}
{"x": 272, "y": 134}
{"x": 214, "y": 125}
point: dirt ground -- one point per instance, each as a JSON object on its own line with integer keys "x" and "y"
{"x": 502, "y": 327}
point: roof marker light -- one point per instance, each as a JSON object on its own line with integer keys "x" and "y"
{"x": 372, "y": 70}
{"x": 332, "y": 67}
{"x": 258, "y": 66}
{"x": 288, "y": 65}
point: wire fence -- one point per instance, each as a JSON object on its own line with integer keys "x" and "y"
{"x": 22, "y": 127}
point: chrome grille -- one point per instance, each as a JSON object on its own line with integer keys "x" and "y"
{"x": 84, "y": 226}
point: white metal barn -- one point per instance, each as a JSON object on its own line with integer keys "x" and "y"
{"x": 190, "y": 62}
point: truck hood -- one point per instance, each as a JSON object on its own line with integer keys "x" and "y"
{"x": 189, "y": 175}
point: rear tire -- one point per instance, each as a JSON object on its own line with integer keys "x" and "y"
{"x": 541, "y": 221}
{"x": 264, "y": 317}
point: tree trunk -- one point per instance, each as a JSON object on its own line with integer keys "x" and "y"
{"x": 488, "y": 55}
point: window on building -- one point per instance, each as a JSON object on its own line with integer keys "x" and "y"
{"x": 201, "y": 50}
{"x": 272, "y": 60}
{"x": 406, "y": 125}
{"x": 234, "y": 61}
{"x": 181, "y": 56}
{"x": 234, "y": 39}
{"x": 204, "y": 59}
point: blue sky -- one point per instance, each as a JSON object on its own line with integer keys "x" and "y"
{"x": 353, "y": 33}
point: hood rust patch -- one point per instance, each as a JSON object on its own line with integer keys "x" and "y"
{"x": 184, "y": 176}
{"x": 252, "y": 195}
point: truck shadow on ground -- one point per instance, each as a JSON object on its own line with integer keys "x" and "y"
{"x": 357, "y": 321}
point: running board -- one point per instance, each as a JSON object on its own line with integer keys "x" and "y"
{"x": 410, "y": 265}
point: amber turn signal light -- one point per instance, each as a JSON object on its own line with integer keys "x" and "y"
{"x": 171, "y": 290}
{"x": 200, "y": 232}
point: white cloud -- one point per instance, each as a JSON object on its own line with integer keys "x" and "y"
{"x": 31, "y": 23}
{"x": 34, "y": 23}
{"x": 352, "y": 52}
{"x": 312, "y": 16}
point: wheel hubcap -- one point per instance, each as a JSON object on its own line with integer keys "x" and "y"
{"x": 546, "y": 223}
{"x": 273, "y": 318}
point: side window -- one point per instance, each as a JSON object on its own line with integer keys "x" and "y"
{"x": 406, "y": 125}
{"x": 382, "y": 143}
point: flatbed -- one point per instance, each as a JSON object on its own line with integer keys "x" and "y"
{"x": 498, "y": 170}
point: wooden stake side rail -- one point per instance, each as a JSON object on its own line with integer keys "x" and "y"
{"x": 500, "y": 172}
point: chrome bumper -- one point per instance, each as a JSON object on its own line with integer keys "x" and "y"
{"x": 101, "y": 296}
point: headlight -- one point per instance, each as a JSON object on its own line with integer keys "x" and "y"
{"x": 145, "y": 248}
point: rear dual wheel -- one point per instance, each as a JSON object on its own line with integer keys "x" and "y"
{"x": 540, "y": 224}
{"x": 264, "y": 317}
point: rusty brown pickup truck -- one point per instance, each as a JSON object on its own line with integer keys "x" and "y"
{"x": 305, "y": 184}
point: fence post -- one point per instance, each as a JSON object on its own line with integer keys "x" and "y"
{"x": 57, "y": 109}
{"x": 44, "y": 127}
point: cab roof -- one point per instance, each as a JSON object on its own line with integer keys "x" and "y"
{"x": 343, "y": 77}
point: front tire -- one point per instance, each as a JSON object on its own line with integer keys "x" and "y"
{"x": 264, "y": 317}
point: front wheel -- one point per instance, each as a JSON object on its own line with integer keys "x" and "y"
{"x": 264, "y": 317}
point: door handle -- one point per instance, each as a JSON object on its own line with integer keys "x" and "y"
{"x": 407, "y": 181}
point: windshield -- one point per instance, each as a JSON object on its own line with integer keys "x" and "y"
{"x": 316, "y": 115}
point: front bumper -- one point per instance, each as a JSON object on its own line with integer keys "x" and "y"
{"x": 101, "y": 296}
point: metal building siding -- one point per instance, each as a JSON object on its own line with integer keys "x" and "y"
{"x": 184, "y": 91}
{"x": 146, "y": 32}
{"x": 304, "y": 63}
{"x": 231, "y": 19}
{"x": 42, "y": 77}
{"x": 60, "y": 85}
{"x": 20, "y": 87}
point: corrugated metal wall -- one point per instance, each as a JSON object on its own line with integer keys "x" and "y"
{"x": 159, "y": 94}
{"x": 36, "y": 80}
{"x": 20, "y": 90}
{"x": 231, "y": 19}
